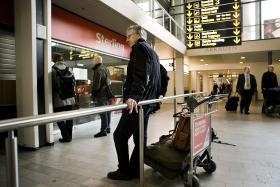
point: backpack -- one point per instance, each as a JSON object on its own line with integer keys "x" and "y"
{"x": 181, "y": 139}
{"x": 66, "y": 83}
{"x": 164, "y": 80}
{"x": 180, "y": 136}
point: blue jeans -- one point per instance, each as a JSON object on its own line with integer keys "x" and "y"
{"x": 105, "y": 116}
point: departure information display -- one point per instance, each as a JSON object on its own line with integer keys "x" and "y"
{"x": 213, "y": 23}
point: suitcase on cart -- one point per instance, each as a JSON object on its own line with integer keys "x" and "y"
{"x": 232, "y": 103}
{"x": 173, "y": 161}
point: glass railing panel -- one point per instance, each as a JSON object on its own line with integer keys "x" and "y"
{"x": 250, "y": 33}
{"x": 181, "y": 35}
{"x": 159, "y": 16}
{"x": 156, "y": 11}
{"x": 167, "y": 21}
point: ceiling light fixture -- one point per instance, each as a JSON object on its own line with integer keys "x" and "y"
{"x": 206, "y": 64}
{"x": 241, "y": 62}
{"x": 202, "y": 60}
{"x": 243, "y": 57}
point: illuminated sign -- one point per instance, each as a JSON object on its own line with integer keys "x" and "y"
{"x": 213, "y": 23}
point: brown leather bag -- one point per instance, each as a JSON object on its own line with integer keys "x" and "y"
{"x": 182, "y": 135}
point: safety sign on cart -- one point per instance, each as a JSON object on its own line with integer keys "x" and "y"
{"x": 201, "y": 134}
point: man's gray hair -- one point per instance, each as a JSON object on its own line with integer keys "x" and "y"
{"x": 138, "y": 30}
{"x": 247, "y": 67}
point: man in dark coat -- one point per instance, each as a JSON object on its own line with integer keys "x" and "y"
{"x": 269, "y": 80}
{"x": 246, "y": 87}
{"x": 142, "y": 83}
{"x": 100, "y": 83}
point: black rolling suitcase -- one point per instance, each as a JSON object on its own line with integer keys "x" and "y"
{"x": 232, "y": 103}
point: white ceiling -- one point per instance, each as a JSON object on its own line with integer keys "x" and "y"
{"x": 96, "y": 11}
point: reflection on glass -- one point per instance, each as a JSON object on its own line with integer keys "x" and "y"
{"x": 270, "y": 19}
{"x": 80, "y": 60}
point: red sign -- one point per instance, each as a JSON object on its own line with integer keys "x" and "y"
{"x": 74, "y": 29}
{"x": 201, "y": 136}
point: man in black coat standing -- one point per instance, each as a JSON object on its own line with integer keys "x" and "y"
{"x": 142, "y": 83}
{"x": 269, "y": 80}
{"x": 100, "y": 85}
{"x": 246, "y": 87}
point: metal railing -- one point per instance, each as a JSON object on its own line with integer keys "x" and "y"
{"x": 154, "y": 9}
{"x": 23, "y": 122}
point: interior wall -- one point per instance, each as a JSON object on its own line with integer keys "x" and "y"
{"x": 277, "y": 71}
{"x": 164, "y": 51}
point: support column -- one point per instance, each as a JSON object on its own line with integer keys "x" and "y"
{"x": 26, "y": 68}
{"x": 48, "y": 69}
{"x": 193, "y": 81}
{"x": 179, "y": 76}
{"x": 205, "y": 83}
{"x": 33, "y": 56}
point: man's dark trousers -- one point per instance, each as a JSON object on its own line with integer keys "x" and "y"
{"x": 246, "y": 99}
{"x": 105, "y": 116}
{"x": 128, "y": 126}
{"x": 66, "y": 128}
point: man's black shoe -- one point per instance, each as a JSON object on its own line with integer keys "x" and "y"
{"x": 241, "y": 111}
{"x": 100, "y": 134}
{"x": 247, "y": 113}
{"x": 64, "y": 140}
{"x": 118, "y": 175}
{"x": 108, "y": 130}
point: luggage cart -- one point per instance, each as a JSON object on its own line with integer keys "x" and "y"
{"x": 201, "y": 138}
{"x": 273, "y": 102}
{"x": 171, "y": 163}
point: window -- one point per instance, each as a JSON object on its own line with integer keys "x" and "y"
{"x": 270, "y": 19}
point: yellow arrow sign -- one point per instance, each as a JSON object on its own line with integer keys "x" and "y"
{"x": 236, "y": 31}
{"x": 189, "y": 29}
{"x": 190, "y": 44}
{"x": 236, "y": 23}
{"x": 189, "y": 14}
{"x": 189, "y": 21}
{"x": 236, "y": 15}
{"x": 235, "y": 6}
{"x": 236, "y": 40}
{"x": 189, "y": 36}
{"x": 189, "y": 6}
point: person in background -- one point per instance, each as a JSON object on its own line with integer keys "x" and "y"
{"x": 100, "y": 83}
{"x": 246, "y": 87}
{"x": 215, "y": 90}
{"x": 269, "y": 80}
{"x": 63, "y": 95}
{"x": 142, "y": 83}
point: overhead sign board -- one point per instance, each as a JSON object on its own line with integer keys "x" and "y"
{"x": 213, "y": 23}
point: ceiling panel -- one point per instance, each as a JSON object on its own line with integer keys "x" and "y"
{"x": 96, "y": 11}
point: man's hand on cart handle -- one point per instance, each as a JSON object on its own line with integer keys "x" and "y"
{"x": 131, "y": 104}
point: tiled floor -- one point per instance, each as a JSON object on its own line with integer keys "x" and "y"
{"x": 254, "y": 162}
